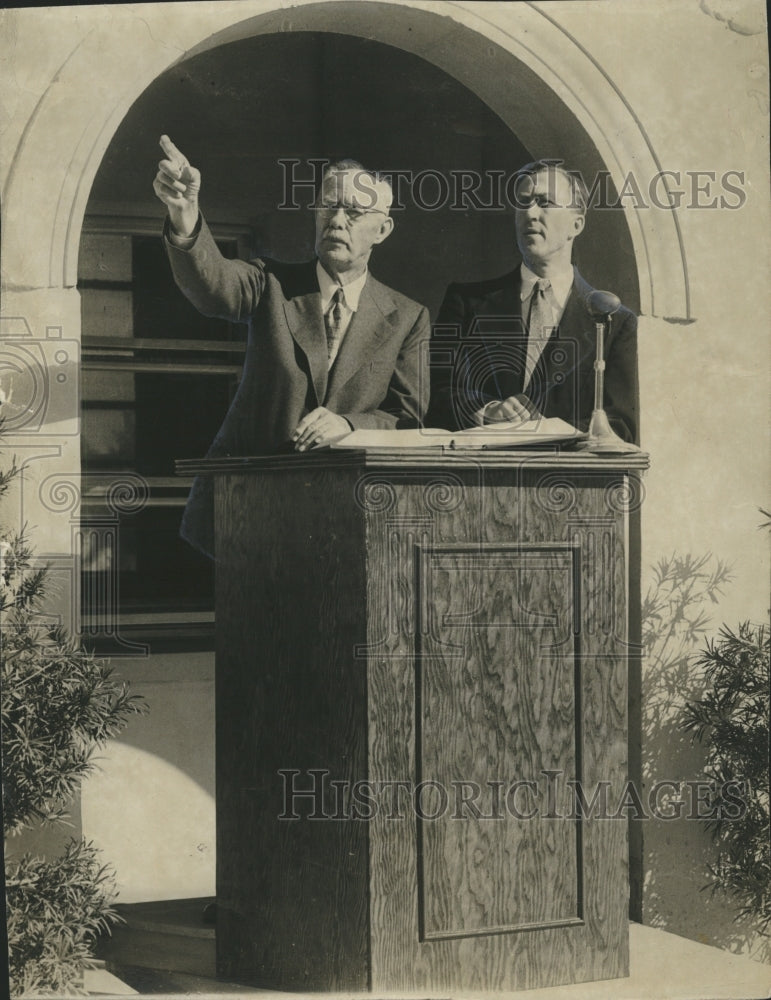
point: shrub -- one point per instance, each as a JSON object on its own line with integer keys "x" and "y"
{"x": 58, "y": 705}
{"x": 731, "y": 720}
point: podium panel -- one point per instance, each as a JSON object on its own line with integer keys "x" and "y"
{"x": 497, "y": 696}
{"x": 422, "y": 719}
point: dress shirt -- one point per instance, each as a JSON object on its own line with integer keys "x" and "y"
{"x": 184, "y": 242}
{"x": 558, "y": 293}
{"x": 349, "y": 301}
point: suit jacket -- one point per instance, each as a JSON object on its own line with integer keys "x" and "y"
{"x": 478, "y": 351}
{"x": 373, "y": 383}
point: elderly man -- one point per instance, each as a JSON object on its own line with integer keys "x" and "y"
{"x": 330, "y": 348}
{"x": 523, "y": 345}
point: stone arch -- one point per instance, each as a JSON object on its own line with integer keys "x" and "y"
{"x": 554, "y": 95}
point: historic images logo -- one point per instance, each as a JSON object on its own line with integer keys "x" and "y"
{"x": 551, "y": 796}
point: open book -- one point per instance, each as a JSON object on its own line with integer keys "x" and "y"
{"x": 503, "y": 435}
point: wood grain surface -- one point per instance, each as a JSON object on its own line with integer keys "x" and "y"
{"x": 431, "y": 631}
{"x": 514, "y": 664}
{"x": 496, "y": 707}
{"x": 291, "y": 894}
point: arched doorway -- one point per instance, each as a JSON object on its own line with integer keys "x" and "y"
{"x": 508, "y": 64}
{"x": 539, "y": 80}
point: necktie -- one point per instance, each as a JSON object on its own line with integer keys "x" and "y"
{"x": 333, "y": 320}
{"x": 540, "y": 321}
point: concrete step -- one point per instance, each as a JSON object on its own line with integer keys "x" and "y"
{"x": 165, "y": 949}
{"x": 169, "y": 935}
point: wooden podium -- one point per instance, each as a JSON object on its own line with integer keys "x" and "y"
{"x": 421, "y": 668}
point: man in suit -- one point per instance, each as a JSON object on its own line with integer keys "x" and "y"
{"x": 523, "y": 345}
{"x": 330, "y": 348}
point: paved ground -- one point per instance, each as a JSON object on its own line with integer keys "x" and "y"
{"x": 663, "y": 967}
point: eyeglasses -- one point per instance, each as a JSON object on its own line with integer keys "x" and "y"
{"x": 353, "y": 213}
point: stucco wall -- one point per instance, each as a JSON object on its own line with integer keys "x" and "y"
{"x": 150, "y": 806}
{"x": 700, "y": 88}
{"x": 695, "y": 85}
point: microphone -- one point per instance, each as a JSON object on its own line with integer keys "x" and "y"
{"x": 602, "y": 304}
{"x": 602, "y": 437}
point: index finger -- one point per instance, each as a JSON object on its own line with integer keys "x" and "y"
{"x": 171, "y": 150}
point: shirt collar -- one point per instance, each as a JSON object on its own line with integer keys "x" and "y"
{"x": 561, "y": 284}
{"x": 328, "y": 286}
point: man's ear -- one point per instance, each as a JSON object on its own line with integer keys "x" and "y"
{"x": 578, "y": 225}
{"x": 386, "y": 228}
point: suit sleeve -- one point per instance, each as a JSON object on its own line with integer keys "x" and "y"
{"x": 405, "y": 403}
{"x": 216, "y": 286}
{"x": 445, "y": 343}
{"x": 622, "y": 396}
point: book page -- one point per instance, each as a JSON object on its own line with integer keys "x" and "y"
{"x": 504, "y": 435}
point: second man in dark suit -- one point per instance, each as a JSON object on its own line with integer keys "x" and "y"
{"x": 523, "y": 345}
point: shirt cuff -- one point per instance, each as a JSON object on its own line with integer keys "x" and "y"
{"x": 183, "y": 242}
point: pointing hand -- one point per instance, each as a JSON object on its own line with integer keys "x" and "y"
{"x": 177, "y": 185}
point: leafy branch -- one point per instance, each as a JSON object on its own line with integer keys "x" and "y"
{"x": 58, "y": 706}
{"x": 731, "y": 720}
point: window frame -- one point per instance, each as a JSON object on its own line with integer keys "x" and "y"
{"x": 109, "y": 628}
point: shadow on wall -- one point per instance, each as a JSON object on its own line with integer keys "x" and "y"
{"x": 676, "y": 624}
{"x": 162, "y": 845}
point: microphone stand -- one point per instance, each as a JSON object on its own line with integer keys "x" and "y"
{"x": 602, "y": 438}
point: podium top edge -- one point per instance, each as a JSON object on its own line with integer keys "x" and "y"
{"x": 429, "y": 459}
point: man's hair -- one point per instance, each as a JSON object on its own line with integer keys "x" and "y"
{"x": 338, "y": 166}
{"x": 579, "y": 199}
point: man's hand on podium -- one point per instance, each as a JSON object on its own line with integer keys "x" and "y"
{"x": 513, "y": 410}
{"x": 318, "y": 428}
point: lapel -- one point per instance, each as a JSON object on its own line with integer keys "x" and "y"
{"x": 504, "y": 306}
{"x": 306, "y": 324}
{"x": 369, "y": 324}
{"x": 575, "y": 328}
{"x": 576, "y": 321}
{"x": 499, "y": 324}
{"x": 495, "y": 329}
